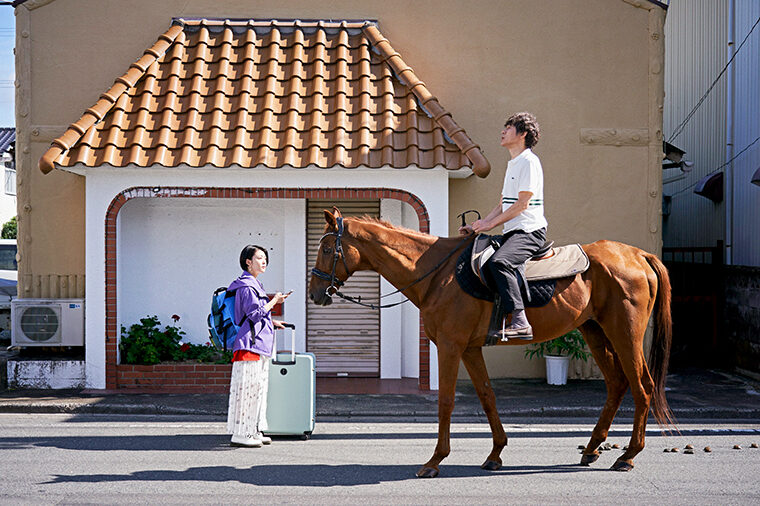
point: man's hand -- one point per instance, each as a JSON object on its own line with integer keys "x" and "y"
{"x": 479, "y": 226}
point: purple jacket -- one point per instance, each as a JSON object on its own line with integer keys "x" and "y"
{"x": 256, "y": 333}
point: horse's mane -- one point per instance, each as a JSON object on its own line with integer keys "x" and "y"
{"x": 387, "y": 224}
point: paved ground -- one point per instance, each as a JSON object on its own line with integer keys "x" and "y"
{"x": 148, "y": 459}
{"x": 693, "y": 394}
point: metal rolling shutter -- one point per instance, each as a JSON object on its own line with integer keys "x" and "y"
{"x": 344, "y": 337}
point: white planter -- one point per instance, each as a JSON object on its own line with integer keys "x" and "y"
{"x": 556, "y": 370}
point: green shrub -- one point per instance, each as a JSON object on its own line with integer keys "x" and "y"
{"x": 567, "y": 345}
{"x": 145, "y": 343}
{"x": 10, "y": 229}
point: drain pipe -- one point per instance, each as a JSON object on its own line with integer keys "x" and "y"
{"x": 729, "y": 169}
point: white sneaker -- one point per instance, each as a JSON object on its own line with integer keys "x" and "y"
{"x": 247, "y": 441}
{"x": 264, "y": 439}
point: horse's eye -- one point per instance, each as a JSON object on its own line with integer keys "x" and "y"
{"x": 326, "y": 250}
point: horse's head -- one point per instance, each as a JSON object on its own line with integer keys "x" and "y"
{"x": 336, "y": 260}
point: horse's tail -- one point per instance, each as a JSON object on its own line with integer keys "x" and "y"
{"x": 659, "y": 354}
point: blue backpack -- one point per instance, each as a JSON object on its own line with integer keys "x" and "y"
{"x": 221, "y": 322}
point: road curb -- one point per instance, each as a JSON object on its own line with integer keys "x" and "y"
{"x": 96, "y": 406}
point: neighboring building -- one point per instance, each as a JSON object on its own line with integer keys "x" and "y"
{"x": 700, "y": 37}
{"x": 8, "y": 167}
{"x": 240, "y": 122}
{"x": 711, "y": 113}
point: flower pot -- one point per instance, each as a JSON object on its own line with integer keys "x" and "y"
{"x": 556, "y": 369}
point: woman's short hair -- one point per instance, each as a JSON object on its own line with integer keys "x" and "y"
{"x": 525, "y": 122}
{"x": 248, "y": 253}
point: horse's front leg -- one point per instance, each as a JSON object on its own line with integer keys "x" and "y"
{"x": 476, "y": 367}
{"x": 448, "y": 366}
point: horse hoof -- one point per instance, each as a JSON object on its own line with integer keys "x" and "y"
{"x": 621, "y": 465}
{"x": 491, "y": 465}
{"x": 588, "y": 459}
{"x": 427, "y": 472}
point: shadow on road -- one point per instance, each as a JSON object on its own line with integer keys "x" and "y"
{"x": 221, "y": 442}
{"x": 313, "y": 475}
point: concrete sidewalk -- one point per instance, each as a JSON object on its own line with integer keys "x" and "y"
{"x": 694, "y": 394}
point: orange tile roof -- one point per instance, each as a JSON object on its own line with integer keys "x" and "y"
{"x": 272, "y": 93}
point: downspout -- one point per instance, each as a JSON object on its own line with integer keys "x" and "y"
{"x": 729, "y": 171}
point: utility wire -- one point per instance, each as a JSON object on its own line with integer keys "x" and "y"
{"x": 716, "y": 170}
{"x": 679, "y": 129}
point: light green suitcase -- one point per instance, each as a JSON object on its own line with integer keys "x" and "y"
{"x": 291, "y": 397}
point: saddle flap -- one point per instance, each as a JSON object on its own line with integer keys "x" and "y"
{"x": 483, "y": 247}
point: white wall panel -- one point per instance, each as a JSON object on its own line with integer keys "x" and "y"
{"x": 173, "y": 253}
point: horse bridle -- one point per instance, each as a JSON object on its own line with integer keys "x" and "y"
{"x": 336, "y": 283}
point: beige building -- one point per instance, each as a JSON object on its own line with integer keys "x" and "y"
{"x": 90, "y": 225}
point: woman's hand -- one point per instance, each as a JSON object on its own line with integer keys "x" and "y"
{"x": 280, "y": 297}
{"x": 278, "y": 324}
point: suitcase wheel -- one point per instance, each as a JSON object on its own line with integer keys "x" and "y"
{"x": 306, "y": 436}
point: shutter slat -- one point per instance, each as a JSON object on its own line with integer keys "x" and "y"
{"x": 344, "y": 337}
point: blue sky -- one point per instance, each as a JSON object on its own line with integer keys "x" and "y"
{"x": 7, "y": 65}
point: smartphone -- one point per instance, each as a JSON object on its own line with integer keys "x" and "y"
{"x": 288, "y": 292}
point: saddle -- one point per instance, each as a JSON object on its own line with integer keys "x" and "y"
{"x": 537, "y": 277}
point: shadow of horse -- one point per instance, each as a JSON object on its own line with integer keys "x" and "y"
{"x": 319, "y": 475}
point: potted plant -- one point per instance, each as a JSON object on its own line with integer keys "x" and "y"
{"x": 558, "y": 353}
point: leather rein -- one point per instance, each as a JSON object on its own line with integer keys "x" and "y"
{"x": 336, "y": 283}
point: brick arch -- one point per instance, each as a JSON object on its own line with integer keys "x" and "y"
{"x": 116, "y": 378}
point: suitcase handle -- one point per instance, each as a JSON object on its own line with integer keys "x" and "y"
{"x": 292, "y": 360}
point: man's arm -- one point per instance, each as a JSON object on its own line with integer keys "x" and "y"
{"x": 499, "y": 217}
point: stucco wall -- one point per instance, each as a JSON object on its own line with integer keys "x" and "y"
{"x": 577, "y": 65}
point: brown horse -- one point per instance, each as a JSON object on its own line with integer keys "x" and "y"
{"x": 610, "y": 303}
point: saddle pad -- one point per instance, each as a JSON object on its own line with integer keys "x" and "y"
{"x": 562, "y": 262}
{"x": 541, "y": 292}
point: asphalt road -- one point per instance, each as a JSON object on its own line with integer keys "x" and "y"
{"x": 52, "y": 458}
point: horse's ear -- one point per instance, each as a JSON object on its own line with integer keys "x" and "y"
{"x": 336, "y": 212}
{"x": 330, "y": 219}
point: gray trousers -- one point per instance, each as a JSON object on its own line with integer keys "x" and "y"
{"x": 518, "y": 247}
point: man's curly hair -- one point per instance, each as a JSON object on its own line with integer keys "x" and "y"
{"x": 525, "y": 122}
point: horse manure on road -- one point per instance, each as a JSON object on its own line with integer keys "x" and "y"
{"x": 753, "y": 445}
{"x": 688, "y": 447}
{"x": 708, "y": 449}
{"x": 688, "y": 451}
{"x": 737, "y": 447}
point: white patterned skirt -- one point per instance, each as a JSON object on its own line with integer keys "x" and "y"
{"x": 247, "y": 411}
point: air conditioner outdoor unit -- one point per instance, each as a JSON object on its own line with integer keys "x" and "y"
{"x": 47, "y": 322}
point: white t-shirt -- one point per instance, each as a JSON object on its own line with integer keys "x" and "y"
{"x": 524, "y": 174}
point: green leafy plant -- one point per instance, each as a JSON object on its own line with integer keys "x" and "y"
{"x": 145, "y": 343}
{"x": 10, "y": 229}
{"x": 567, "y": 345}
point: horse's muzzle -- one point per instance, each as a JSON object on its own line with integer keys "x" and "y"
{"x": 321, "y": 299}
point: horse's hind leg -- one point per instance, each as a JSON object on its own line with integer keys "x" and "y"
{"x": 476, "y": 367}
{"x": 626, "y": 333}
{"x": 615, "y": 381}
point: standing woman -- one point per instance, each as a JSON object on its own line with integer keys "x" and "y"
{"x": 246, "y": 415}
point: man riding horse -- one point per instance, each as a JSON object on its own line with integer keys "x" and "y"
{"x": 521, "y": 211}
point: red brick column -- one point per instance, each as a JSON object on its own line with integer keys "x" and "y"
{"x": 118, "y": 376}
